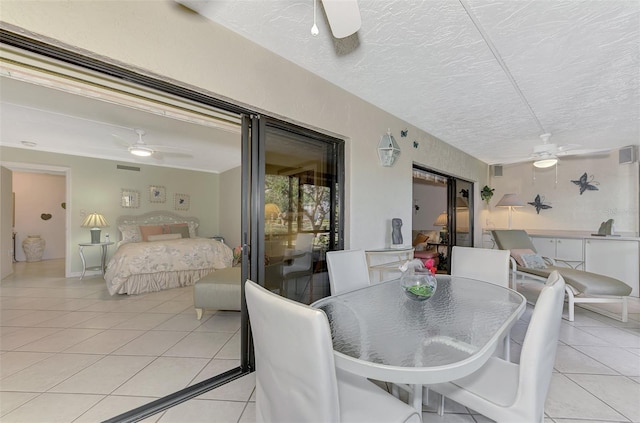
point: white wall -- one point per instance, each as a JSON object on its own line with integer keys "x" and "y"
{"x": 38, "y": 193}
{"x": 432, "y": 200}
{"x": 96, "y": 186}
{"x": 210, "y": 58}
{"x": 616, "y": 197}
{"x": 6, "y": 222}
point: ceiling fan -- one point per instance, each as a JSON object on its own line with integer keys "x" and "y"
{"x": 142, "y": 149}
{"x": 547, "y": 154}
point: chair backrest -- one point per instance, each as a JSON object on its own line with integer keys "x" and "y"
{"x": 482, "y": 264}
{"x": 512, "y": 239}
{"x": 539, "y": 348}
{"x": 295, "y": 371}
{"x": 304, "y": 243}
{"x": 348, "y": 270}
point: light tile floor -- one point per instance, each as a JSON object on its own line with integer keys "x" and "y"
{"x": 71, "y": 353}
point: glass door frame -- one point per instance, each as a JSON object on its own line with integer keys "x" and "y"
{"x": 64, "y": 56}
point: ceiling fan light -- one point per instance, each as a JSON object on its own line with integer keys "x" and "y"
{"x": 544, "y": 163}
{"x": 140, "y": 151}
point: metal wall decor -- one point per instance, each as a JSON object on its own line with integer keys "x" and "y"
{"x": 539, "y": 204}
{"x": 404, "y": 133}
{"x": 586, "y": 184}
{"x": 45, "y": 216}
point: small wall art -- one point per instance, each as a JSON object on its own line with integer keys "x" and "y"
{"x": 182, "y": 202}
{"x": 157, "y": 194}
{"x": 130, "y": 198}
{"x": 586, "y": 183}
{"x": 539, "y": 204}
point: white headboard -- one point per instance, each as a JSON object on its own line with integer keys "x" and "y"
{"x": 155, "y": 218}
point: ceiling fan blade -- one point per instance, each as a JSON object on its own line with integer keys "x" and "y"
{"x": 585, "y": 152}
{"x": 121, "y": 141}
{"x": 343, "y": 16}
{"x": 167, "y": 148}
{"x": 174, "y": 155}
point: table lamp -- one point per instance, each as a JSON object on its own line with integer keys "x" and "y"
{"x": 442, "y": 220}
{"x": 511, "y": 201}
{"x": 95, "y": 221}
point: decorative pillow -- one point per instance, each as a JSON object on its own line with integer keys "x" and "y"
{"x": 130, "y": 233}
{"x": 179, "y": 229}
{"x": 193, "y": 229}
{"x": 533, "y": 261}
{"x": 517, "y": 255}
{"x": 420, "y": 238}
{"x": 191, "y": 225}
{"x": 163, "y": 237}
{"x": 146, "y": 230}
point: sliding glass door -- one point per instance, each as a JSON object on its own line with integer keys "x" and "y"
{"x": 294, "y": 213}
{"x": 446, "y": 201}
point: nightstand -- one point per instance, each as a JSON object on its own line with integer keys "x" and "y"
{"x": 103, "y": 259}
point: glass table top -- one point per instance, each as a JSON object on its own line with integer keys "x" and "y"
{"x": 380, "y": 326}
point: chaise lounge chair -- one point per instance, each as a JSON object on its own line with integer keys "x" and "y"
{"x": 581, "y": 286}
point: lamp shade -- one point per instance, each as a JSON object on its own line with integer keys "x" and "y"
{"x": 441, "y": 220}
{"x": 94, "y": 220}
{"x": 510, "y": 200}
{"x": 271, "y": 211}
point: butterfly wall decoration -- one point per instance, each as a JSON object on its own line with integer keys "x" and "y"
{"x": 415, "y": 144}
{"x": 539, "y": 204}
{"x": 404, "y": 133}
{"x": 586, "y": 184}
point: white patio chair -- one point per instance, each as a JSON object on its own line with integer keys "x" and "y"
{"x": 509, "y": 392}
{"x": 484, "y": 265}
{"x": 348, "y": 270}
{"x": 301, "y": 265}
{"x": 296, "y": 378}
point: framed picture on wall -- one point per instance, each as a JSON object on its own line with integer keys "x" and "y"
{"x": 130, "y": 198}
{"x": 157, "y": 194}
{"x": 182, "y": 202}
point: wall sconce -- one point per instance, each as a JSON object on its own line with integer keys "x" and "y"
{"x": 388, "y": 149}
{"x": 95, "y": 221}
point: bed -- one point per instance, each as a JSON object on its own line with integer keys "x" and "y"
{"x": 161, "y": 250}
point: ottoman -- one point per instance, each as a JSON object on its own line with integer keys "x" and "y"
{"x": 219, "y": 290}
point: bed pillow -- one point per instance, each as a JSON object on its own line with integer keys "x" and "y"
{"x": 533, "y": 261}
{"x": 179, "y": 229}
{"x": 517, "y": 255}
{"x": 163, "y": 237}
{"x": 191, "y": 225}
{"x": 146, "y": 230}
{"x": 130, "y": 233}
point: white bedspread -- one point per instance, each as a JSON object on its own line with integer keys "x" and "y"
{"x": 140, "y": 267}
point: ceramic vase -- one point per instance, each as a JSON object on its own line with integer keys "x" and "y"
{"x": 33, "y": 247}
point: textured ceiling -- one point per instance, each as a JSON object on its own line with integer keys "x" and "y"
{"x": 571, "y": 68}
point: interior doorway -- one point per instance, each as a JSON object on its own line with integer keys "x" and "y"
{"x": 442, "y": 215}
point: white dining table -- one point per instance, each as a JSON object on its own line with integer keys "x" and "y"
{"x": 380, "y": 333}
